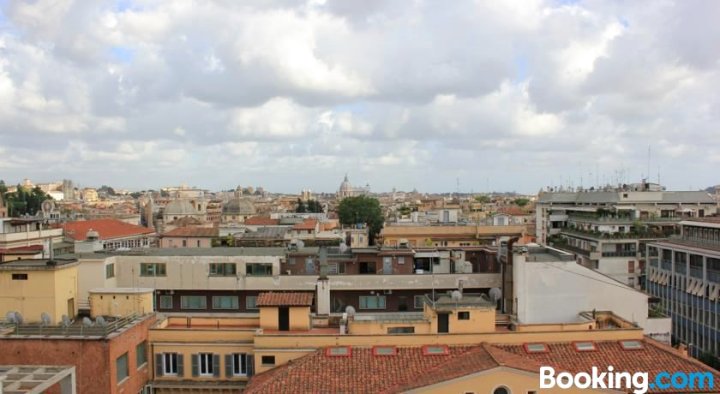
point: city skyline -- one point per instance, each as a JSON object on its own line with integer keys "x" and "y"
{"x": 291, "y": 95}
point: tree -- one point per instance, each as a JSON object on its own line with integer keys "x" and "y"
{"x": 521, "y": 202}
{"x": 362, "y": 210}
{"x": 314, "y": 206}
{"x": 301, "y": 208}
{"x": 483, "y": 199}
{"x": 23, "y": 202}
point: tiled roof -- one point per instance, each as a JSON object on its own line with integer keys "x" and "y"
{"x": 261, "y": 221}
{"x": 285, "y": 299}
{"x": 307, "y": 224}
{"x": 192, "y": 232}
{"x": 363, "y": 371}
{"x": 653, "y": 358}
{"x": 106, "y": 228}
{"x": 409, "y": 368}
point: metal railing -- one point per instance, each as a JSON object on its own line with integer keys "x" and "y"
{"x": 75, "y": 329}
{"x": 623, "y": 253}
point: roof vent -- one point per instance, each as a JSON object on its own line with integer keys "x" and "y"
{"x": 339, "y": 351}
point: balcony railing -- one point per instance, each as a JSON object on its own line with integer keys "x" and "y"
{"x": 666, "y": 265}
{"x": 622, "y": 253}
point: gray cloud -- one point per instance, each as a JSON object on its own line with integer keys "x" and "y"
{"x": 289, "y": 94}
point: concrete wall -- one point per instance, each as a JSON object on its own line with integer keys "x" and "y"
{"x": 121, "y": 303}
{"x": 190, "y": 242}
{"x": 44, "y": 291}
{"x": 552, "y": 292}
{"x": 91, "y": 275}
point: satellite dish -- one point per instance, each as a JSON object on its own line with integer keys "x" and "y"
{"x": 87, "y": 322}
{"x": 100, "y": 321}
{"x": 343, "y": 247}
{"x": 456, "y": 295}
{"x": 45, "y": 319}
{"x": 350, "y": 311}
{"x": 65, "y": 321}
{"x": 18, "y": 318}
{"x": 10, "y": 317}
{"x": 495, "y": 294}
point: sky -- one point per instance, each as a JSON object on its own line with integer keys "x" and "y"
{"x": 438, "y": 96}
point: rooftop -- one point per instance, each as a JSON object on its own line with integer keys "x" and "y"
{"x": 37, "y": 264}
{"x": 207, "y": 232}
{"x": 31, "y": 379}
{"x": 195, "y": 252}
{"x": 106, "y": 229}
{"x": 285, "y": 299}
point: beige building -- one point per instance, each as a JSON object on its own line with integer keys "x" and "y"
{"x": 434, "y": 236}
{"x": 37, "y": 287}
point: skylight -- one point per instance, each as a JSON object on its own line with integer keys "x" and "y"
{"x": 338, "y": 351}
{"x": 631, "y": 345}
{"x": 431, "y": 350}
{"x": 585, "y": 346}
{"x": 536, "y": 348}
{"x": 384, "y": 350}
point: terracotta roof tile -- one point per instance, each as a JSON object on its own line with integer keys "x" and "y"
{"x": 363, "y": 371}
{"x": 285, "y": 299}
{"x": 208, "y": 232}
{"x": 307, "y": 224}
{"x": 261, "y": 221}
{"x": 106, "y": 228}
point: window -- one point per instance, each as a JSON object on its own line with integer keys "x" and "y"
{"x": 193, "y": 302}
{"x": 110, "y": 271}
{"x": 223, "y": 269}
{"x": 463, "y": 315}
{"x": 198, "y": 243}
{"x": 430, "y": 350}
{"x": 121, "y": 367}
{"x": 384, "y": 350}
{"x": 536, "y": 348}
{"x": 584, "y": 346}
{"x": 631, "y": 345}
{"x": 338, "y": 351}
{"x": 239, "y": 364}
{"x": 631, "y": 267}
{"x": 225, "y": 302}
{"x": 166, "y": 302}
{"x": 19, "y": 276}
{"x": 170, "y": 364}
{"x": 501, "y": 390}
{"x": 141, "y": 354}
{"x": 251, "y": 302}
{"x": 184, "y": 243}
{"x": 257, "y": 269}
{"x": 372, "y": 302}
{"x": 206, "y": 365}
{"x": 401, "y": 259}
{"x": 367, "y": 268}
{"x": 419, "y": 301}
{"x": 268, "y": 360}
{"x": 152, "y": 269}
{"x": 401, "y": 330}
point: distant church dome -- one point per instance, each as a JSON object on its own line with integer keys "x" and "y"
{"x": 239, "y": 206}
{"x": 180, "y": 207}
{"x": 345, "y": 186}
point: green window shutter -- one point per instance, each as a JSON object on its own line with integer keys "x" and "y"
{"x": 250, "y": 364}
{"x": 195, "y": 362}
{"x": 228, "y": 365}
{"x": 180, "y": 365}
{"x": 216, "y": 365}
{"x": 158, "y": 365}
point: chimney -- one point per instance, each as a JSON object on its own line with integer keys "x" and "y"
{"x": 682, "y": 349}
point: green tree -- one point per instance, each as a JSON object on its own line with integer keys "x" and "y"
{"x": 483, "y": 199}
{"x": 3, "y": 187}
{"x": 301, "y": 208}
{"x": 521, "y": 202}
{"x": 23, "y": 202}
{"x": 314, "y": 206}
{"x": 362, "y": 210}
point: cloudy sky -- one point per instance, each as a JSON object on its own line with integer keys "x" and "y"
{"x": 501, "y": 95}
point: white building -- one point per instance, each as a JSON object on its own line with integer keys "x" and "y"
{"x": 550, "y": 287}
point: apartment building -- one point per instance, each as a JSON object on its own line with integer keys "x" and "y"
{"x": 684, "y": 274}
{"x": 438, "y": 236}
{"x": 22, "y": 238}
{"x": 608, "y": 229}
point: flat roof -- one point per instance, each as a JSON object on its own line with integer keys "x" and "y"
{"x": 122, "y": 290}
{"x": 196, "y": 252}
{"x": 31, "y": 379}
{"x": 37, "y": 264}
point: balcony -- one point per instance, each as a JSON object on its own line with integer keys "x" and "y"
{"x": 622, "y": 253}
{"x": 21, "y": 237}
{"x": 597, "y": 235}
{"x": 558, "y": 217}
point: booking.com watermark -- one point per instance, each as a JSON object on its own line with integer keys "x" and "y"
{"x": 638, "y": 382}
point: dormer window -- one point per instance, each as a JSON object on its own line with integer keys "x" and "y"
{"x": 631, "y": 345}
